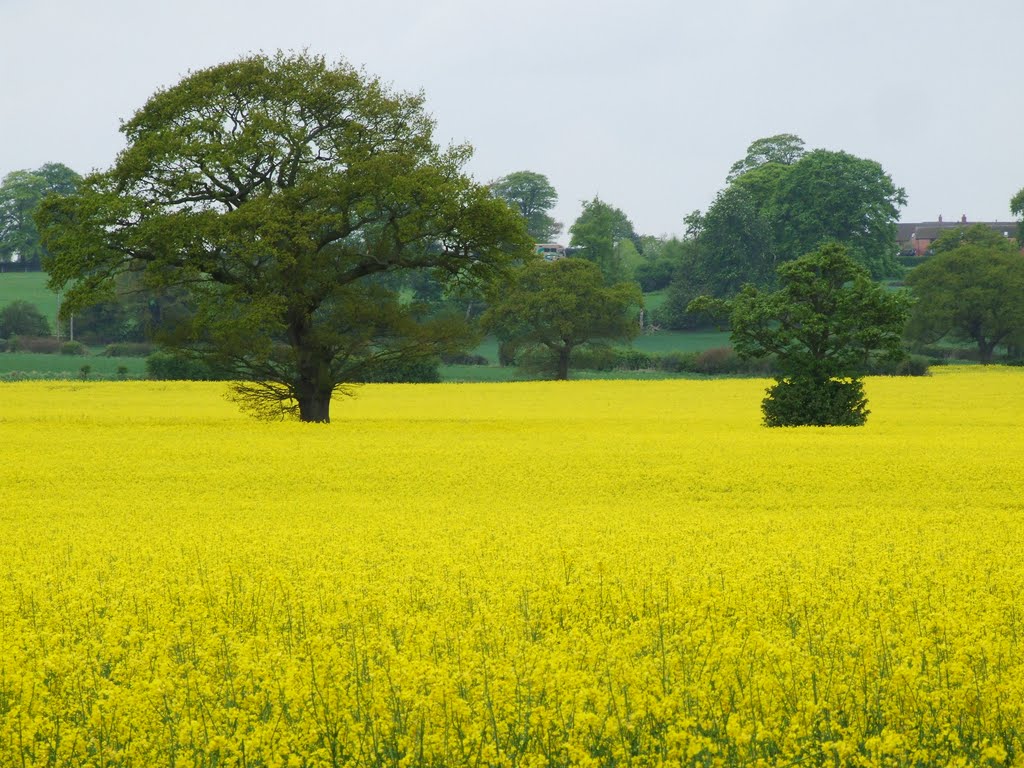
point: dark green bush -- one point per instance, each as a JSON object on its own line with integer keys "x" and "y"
{"x": 653, "y": 275}
{"x": 635, "y": 360}
{"x": 73, "y": 348}
{"x": 911, "y": 365}
{"x": 593, "y": 358}
{"x": 23, "y": 318}
{"x": 421, "y": 371}
{"x": 128, "y": 349}
{"x": 464, "y": 358}
{"x": 678, "y": 362}
{"x": 170, "y": 366}
{"x": 801, "y": 401}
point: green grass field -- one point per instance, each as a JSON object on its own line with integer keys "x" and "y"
{"x": 27, "y": 365}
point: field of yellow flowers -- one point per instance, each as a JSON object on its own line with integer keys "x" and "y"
{"x": 532, "y": 574}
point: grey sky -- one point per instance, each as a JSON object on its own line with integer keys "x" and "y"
{"x": 645, "y": 103}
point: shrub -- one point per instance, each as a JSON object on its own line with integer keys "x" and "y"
{"x": 720, "y": 361}
{"x": 635, "y": 360}
{"x": 422, "y": 371}
{"x": 22, "y": 318}
{"x": 593, "y": 358}
{"x": 801, "y": 401}
{"x": 912, "y": 365}
{"x": 464, "y": 359}
{"x": 171, "y": 366}
{"x": 46, "y": 345}
{"x": 128, "y": 349}
{"x": 73, "y": 348}
{"x": 84, "y": 371}
{"x": 653, "y": 275}
{"x": 678, "y": 362}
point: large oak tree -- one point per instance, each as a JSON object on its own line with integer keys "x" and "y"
{"x": 275, "y": 188}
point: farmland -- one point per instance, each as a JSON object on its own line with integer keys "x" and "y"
{"x": 584, "y": 573}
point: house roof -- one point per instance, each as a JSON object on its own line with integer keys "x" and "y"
{"x": 930, "y": 230}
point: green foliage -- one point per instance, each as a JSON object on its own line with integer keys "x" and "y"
{"x": 834, "y": 196}
{"x": 533, "y": 196}
{"x": 597, "y": 233}
{"x": 128, "y": 349}
{"x": 972, "y": 291}
{"x": 661, "y": 257}
{"x": 73, "y": 348}
{"x": 975, "y": 234}
{"x": 805, "y": 402}
{"x": 550, "y": 309}
{"x": 654, "y": 274}
{"x": 1017, "y": 208}
{"x": 175, "y": 366}
{"x": 781, "y": 203}
{"x": 629, "y": 258}
{"x": 735, "y": 246}
{"x": 22, "y": 318}
{"x": 781, "y": 149}
{"x": 274, "y": 189}
{"x": 402, "y": 370}
{"x": 824, "y": 325}
{"x": 20, "y": 195}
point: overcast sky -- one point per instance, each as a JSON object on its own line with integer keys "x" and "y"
{"x": 645, "y": 103}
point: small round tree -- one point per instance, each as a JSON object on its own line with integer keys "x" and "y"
{"x": 823, "y": 325}
{"x": 22, "y": 318}
{"x": 557, "y": 307}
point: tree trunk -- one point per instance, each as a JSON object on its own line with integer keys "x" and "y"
{"x": 985, "y": 350}
{"x": 314, "y": 403}
{"x": 563, "y": 363}
{"x": 315, "y": 386}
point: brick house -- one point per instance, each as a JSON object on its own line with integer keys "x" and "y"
{"x": 917, "y": 238}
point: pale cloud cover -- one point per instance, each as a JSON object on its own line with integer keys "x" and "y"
{"x": 645, "y": 103}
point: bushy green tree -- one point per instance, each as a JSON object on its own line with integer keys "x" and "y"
{"x": 781, "y": 149}
{"x": 22, "y": 318}
{"x": 274, "y": 188}
{"x": 972, "y": 290}
{"x": 559, "y": 306}
{"x": 533, "y": 196}
{"x": 733, "y": 248}
{"x": 20, "y": 195}
{"x": 823, "y": 325}
{"x": 782, "y": 202}
{"x": 835, "y": 196}
{"x": 597, "y": 233}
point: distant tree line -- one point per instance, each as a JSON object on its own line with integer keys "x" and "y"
{"x": 298, "y": 254}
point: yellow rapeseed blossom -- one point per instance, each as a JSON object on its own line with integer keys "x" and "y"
{"x": 532, "y": 574}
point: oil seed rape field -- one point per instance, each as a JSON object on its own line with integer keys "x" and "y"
{"x": 533, "y": 574}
